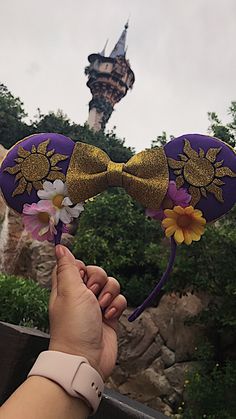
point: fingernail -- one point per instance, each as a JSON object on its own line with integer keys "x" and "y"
{"x": 94, "y": 288}
{"x": 105, "y": 300}
{"x": 60, "y": 251}
{"x": 111, "y": 313}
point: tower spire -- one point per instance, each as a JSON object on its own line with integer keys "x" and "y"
{"x": 109, "y": 79}
{"x": 120, "y": 47}
{"x": 103, "y": 52}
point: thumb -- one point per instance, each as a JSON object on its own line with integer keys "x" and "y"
{"x": 68, "y": 276}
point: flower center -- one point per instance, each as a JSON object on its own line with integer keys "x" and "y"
{"x": 184, "y": 221}
{"x": 43, "y": 217}
{"x": 35, "y": 167}
{"x": 57, "y": 201}
{"x": 199, "y": 172}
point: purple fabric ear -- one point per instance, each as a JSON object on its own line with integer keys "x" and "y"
{"x": 57, "y": 145}
{"x": 203, "y": 165}
{"x": 206, "y": 167}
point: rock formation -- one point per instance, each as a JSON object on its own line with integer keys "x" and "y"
{"x": 156, "y": 351}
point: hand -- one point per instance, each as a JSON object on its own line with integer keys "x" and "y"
{"x": 77, "y": 325}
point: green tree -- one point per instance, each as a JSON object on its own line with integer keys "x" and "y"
{"x": 114, "y": 233}
{"x": 226, "y": 132}
{"x": 13, "y": 128}
{"x": 12, "y": 114}
{"x": 60, "y": 123}
{"x": 210, "y": 388}
{"x": 52, "y": 122}
{"x": 161, "y": 140}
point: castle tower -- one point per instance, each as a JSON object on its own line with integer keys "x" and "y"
{"x": 109, "y": 79}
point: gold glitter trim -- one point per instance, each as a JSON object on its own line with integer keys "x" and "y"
{"x": 15, "y": 145}
{"x": 56, "y": 168}
{"x": 218, "y": 182}
{"x": 56, "y": 175}
{"x": 224, "y": 171}
{"x": 179, "y": 182}
{"x": 189, "y": 151}
{"x": 22, "y": 152}
{"x": 175, "y": 164}
{"x": 37, "y": 185}
{"x": 145, "y": 176}
{"x": 20, "y": 188}
{"x": 218, "y": 163}
{"x": 13, "y": 170}
{"x": 201, "y": 152}
{"x": 18, "y": 176}
{"x": 183, "y": 157}
{"x": 178, "y": 172}
{"x": 42, "y": 147}
{"x": 216, "y": 191}
{"x": 50, "y": 152}
{"x": 35, "y": 166}
{"x": 195, "y": 194}
{"x": 200, "y": 170}
{"x": 212, "y": 154}
{"x": 56, "y": 158}
{"x": 114, "y": 173}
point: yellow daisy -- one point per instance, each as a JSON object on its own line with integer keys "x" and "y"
{"x": 185, "y": 224}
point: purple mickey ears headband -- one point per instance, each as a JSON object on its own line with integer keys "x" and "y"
{"x": 185, "y": 184}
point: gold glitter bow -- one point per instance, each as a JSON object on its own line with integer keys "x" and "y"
{"x": 145, "y": 176}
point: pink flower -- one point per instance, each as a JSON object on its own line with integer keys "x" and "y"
{"x": 174, "y": 197}
{"x": 39, "y": 220}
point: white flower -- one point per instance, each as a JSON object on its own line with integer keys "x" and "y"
{"x": 56, "y": 193}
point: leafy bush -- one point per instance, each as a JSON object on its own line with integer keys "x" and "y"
{"x": 23, "y": 302}
{"x": 210, "y": 388}
{"x": 114, "y": 233}
{"x": 209, "y": 266}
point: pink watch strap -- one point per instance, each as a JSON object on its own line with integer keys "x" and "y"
{"x": 73, "y": 373}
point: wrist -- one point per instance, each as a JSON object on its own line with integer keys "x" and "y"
{"x": 73, "y": 373}
{"x": 54, "y": 345}
{"x": 57, "y": 392}
{"x": 71, "y": 350}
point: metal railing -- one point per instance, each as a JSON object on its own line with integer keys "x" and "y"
{"x": 20, "y": 346}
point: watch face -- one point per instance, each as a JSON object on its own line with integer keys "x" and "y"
{"x": 206, "y": 167}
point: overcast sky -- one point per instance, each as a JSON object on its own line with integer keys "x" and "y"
{"x": 181, "y": 51}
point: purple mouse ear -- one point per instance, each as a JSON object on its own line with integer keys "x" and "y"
{"x": 33, "y": 183}
{"x": 202, "y": 188}
{"x": 29, "y": 163}
{"x": 206, "y": 167}
{"x": 188, "y": 183}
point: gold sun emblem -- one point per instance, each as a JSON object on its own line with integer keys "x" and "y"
{"x": 35, "y": 166}
{"x": 201, "y": 171}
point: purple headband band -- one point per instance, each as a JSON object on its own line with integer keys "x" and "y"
{"x": 189, "y": 182}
